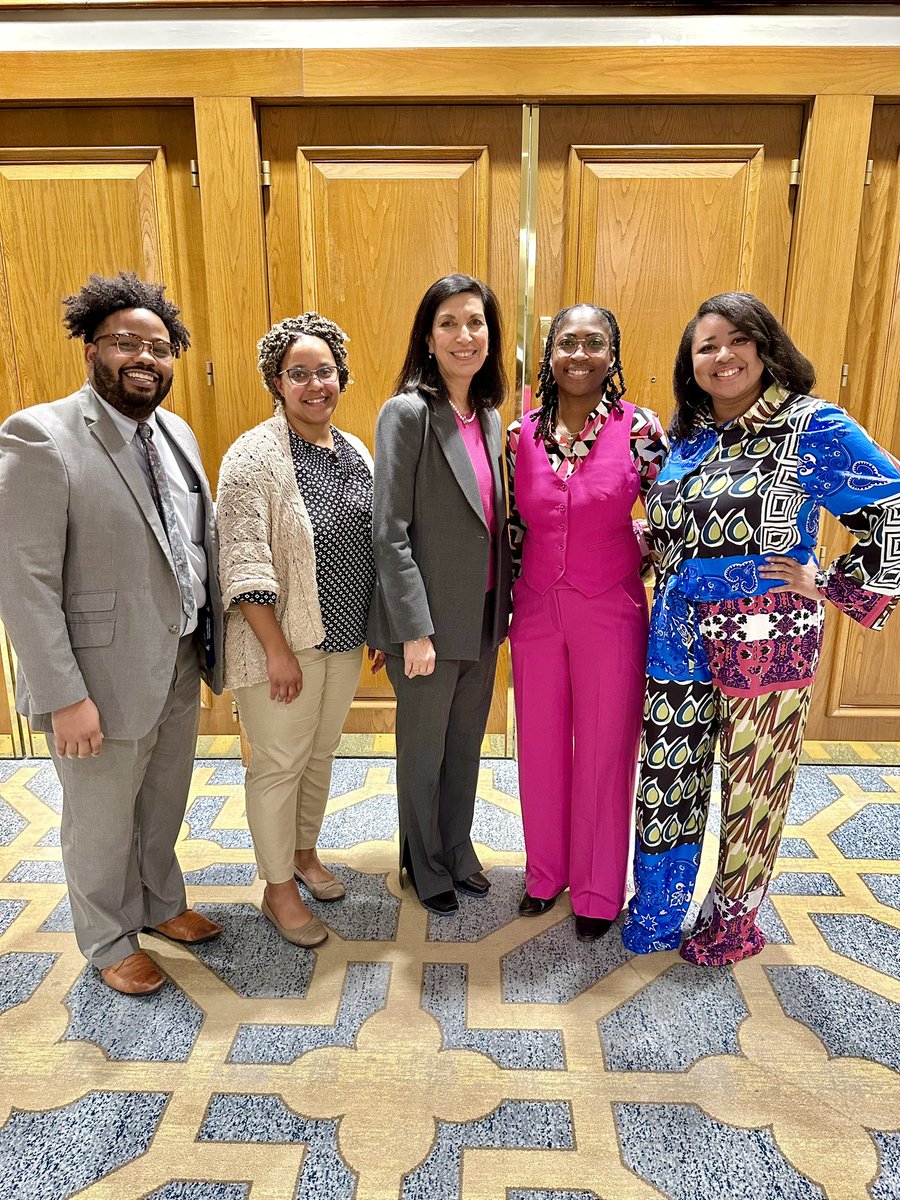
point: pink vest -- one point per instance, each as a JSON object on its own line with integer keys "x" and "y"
{"x": 579, "y": 530}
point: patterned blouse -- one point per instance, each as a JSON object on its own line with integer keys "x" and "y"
{"x": 649, "y": 447}
{"x": 336, "y": 486}
{"x": 729, "y": 496}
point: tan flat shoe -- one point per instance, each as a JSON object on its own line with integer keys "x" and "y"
{"x": 136, "y": 975}
{"x": 313, "y": 933}
{"x": 331, "y": 889}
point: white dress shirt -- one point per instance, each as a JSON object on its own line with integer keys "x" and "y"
{"x": 186, "y": 496}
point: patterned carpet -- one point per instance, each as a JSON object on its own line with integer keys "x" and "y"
{"x": 480, "y": 1056}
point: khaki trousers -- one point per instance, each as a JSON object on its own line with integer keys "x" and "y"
{"x": 293, "y": 747}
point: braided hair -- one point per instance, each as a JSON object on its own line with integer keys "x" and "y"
{"x": 548, "y": 389}
{"x": 274, "y": 346}
{"x": 101, "y": 297}
{"x": 783, "y": 362}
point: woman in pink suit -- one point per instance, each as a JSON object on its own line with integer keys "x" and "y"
{"x": 579, "y": 632}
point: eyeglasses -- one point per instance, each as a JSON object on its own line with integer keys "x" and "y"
{"x": 590, "y": 345}
{"x": 130, "y": 343}
{"x": 301, "y": 377}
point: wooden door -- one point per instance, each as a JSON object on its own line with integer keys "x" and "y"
{"x": 98, "y": 190}
{"x": 368, "y": 206}
{"x": 649, "y": 209}
{"x": 858, "y": 695}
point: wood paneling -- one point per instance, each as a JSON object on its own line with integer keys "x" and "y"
{"x": 571, "y": 72}
{"x": 459, "y": 73}
{"x": 231, "y": 204}
{"x": 647, "y": 210}
{"x": 97, "y": 189}
{"x": 149, "y": 74}
{"x": 831, "y": 194}
{"x": 64, "y": 213}
{"x": 859, "y": 692}
{"x": 368, "y": 207}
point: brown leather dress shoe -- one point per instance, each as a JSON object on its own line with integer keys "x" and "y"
{"x": 136, "y": 975}
{"x": 189, "y": 926}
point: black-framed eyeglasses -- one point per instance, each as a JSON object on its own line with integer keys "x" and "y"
{"x": 130, "y": 343}
{"x": 301, "y": 377}
{"x": 595, "y": 344}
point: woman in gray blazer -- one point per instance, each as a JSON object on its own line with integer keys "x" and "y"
{"x": 441, "y": 605}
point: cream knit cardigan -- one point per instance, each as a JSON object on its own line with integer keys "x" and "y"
{"x": 266, "y": 544}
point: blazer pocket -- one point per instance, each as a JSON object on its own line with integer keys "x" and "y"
{"x": 89, "y": 602}
{"x": 91, "y": 633}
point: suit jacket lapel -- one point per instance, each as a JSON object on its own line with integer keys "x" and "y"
{"x": 101, "y": 425}
{"x": 444, "y": 423}
{"x": 490, "y": 430}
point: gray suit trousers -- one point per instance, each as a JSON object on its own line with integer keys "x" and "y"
{"x": 441, "y": 720}
{"x": 122, "y": 813}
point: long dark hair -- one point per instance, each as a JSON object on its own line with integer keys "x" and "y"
{"x": 548, "y": 389}
{"x": 783, "y": 362}
{"x": 420, "y": 373}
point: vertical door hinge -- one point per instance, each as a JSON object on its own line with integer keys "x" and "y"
{"x": 209, "y": 374}
{"x": 870, "y": 167}
{"x": 195, "y": 173}
{"x": 794, "y": 180}
{"x": 845, "y": 374}
{"x": 265, "y": 173}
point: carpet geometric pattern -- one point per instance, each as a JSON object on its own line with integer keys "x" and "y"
{"x": 480, "y": 1056}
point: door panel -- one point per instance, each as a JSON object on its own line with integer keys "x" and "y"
{"x": 649, "y": 209}
{"x": 860, "y": 697}
{"x": 99, "y": 190}
{"x": 368, "y": 206}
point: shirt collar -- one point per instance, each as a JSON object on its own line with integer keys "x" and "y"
{"x": 757, "y": 415}
{"x": 595, "y": 418}
{"x": 127, "y": 426}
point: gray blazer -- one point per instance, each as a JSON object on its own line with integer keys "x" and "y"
{"x": 430, "y": 536}
{"x": 88, "y": 592}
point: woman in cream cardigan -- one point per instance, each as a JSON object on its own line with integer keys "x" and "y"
{"x": 295, "y": 521}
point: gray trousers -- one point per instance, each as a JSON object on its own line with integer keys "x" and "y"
{"x": 441, "y": 720}
{"x": 121, "y": 815}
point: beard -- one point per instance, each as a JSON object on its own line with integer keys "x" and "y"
{"x": 115, "y": 390}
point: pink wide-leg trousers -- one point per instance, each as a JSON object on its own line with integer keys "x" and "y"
{"x": 578, "y": 671}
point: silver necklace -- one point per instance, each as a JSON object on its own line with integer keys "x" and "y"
{"x": 466, "y": 418}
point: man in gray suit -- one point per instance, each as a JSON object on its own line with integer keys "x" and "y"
{"x": 109, "y": 593}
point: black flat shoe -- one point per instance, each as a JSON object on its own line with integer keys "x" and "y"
{"x": 590, "y": 929}
{"x": 477, "y": 884}
{"x": 443, "y": 903}
{"x": 533, "y": 906}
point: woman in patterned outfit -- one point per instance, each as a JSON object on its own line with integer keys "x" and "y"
{"x": 579, "y": 634}
{"x": 295, "y": 522}
{"x": 737, "y": 617}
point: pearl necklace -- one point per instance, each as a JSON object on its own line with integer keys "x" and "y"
{"x": 466, "y": 418}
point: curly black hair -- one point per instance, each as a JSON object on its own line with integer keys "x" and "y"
{"x": 274, "y": 346}
{"x": 100, "y": 297}
{"x": 783, "y": 362}
{"x": 420, "y": 372}
{"x": 547, "y": 388}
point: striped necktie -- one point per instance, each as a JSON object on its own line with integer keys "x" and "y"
{"x": 162, "y": 495}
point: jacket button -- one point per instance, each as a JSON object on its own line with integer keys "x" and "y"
{"x": 173, "y": 629}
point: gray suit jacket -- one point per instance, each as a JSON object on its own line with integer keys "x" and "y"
{"x": 88, "y": 592}
{"x": 430, "y": 536}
